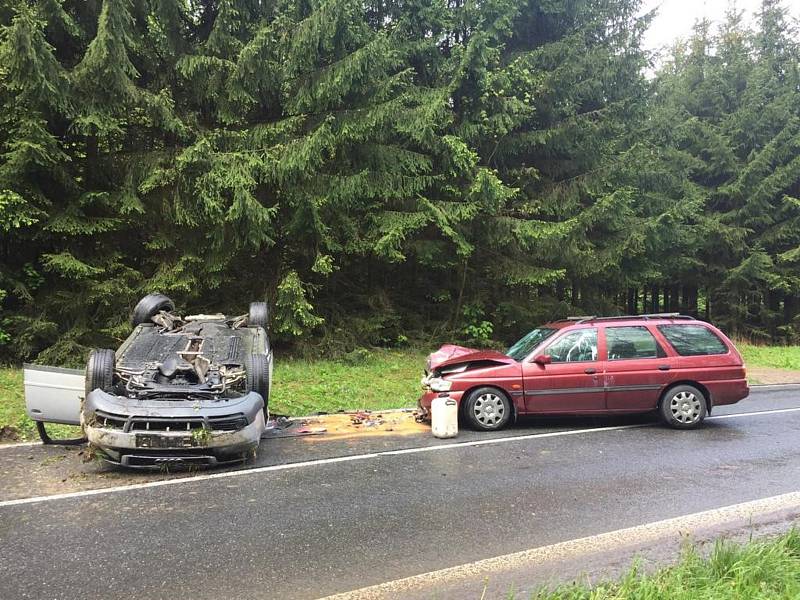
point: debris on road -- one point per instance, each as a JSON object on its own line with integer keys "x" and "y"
{"x": 347, "y": 424}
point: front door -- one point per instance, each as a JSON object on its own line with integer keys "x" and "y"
{"x": 572, "y": 382}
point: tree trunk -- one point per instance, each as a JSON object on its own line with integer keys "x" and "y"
{"x": 691, "y": 300}
{"x": 629, "y": 308}
{"x": 774, "y": 304}
{"x": 789, "y": 309}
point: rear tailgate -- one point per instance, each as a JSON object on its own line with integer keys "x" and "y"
{"x": 53, "y": 394}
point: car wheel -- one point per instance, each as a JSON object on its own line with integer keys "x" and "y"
{"x": 258, "y": 315}
{"x": 683, "y": 407}
{"x": 487, "y": 409}
{"x": 257, "y": 377}
{"x": 100, "y": 370}
{"x": 149, "y": 306}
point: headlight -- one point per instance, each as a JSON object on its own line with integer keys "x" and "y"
{"x": 437, "y": 384}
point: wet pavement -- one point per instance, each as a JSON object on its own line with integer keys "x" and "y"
{"x": 397, "y": 506}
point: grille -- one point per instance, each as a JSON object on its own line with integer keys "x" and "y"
{"x": 228, "y": 422}
{"x": 110, "y": 420}
{"x": 233, "y": 422}
{"x": 156, "y": 424}
{"x": 150, "y": 460}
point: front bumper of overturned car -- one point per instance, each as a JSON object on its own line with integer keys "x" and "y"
{"x": 187, "y": 432}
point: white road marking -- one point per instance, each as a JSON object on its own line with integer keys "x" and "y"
{"x": 612, "y": 540}
{"x": 754, "y": 412}
{"x": 355, "y": 457}
{"x": 761, "y": 386}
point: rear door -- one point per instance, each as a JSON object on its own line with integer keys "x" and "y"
{"x": 52, "y": 394}
{"x": 701, "y": 354}
{"x": 573, "y": 381}
{"x": 637, "y": 368}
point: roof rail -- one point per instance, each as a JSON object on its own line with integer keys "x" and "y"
{"x": 627, "y": 317}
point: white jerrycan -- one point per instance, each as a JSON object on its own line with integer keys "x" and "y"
{"x": 444, "y": 417}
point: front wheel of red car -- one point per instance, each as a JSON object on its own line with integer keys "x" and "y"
{"x": 487, "y": 409}
{"x": 683, "y": 407}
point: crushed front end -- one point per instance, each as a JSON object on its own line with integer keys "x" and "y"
{"x": 164, "y": 432}
{"x": 181, "y": 394}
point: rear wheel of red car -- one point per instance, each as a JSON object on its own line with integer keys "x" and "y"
{"x": 683, "y": 407}
{"x": 487, "y": 409}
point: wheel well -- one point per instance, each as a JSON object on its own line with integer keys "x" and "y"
{"x": 463, "y": 404}
{"x": 696, "y": 384}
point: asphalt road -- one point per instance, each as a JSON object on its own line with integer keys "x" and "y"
{"x": 324, "y": 527}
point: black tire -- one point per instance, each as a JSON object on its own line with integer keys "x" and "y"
{"x": 256, "y": 368}
{"x": 100, "y": 370}
{"x": 487, "y": 409}
{"x": 683, "y": 407}
{"x": 258, "y": 315}
{"x": 149, "y": 306}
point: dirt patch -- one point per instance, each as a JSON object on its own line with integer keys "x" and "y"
{"x": 349, "y": 425}
{"x": 9, "y": 433}
{"x": 771, "y": 375}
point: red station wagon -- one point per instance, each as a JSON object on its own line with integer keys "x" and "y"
{"x": 670, "y": 363}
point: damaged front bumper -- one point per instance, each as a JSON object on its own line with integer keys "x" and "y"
{"x": 158, "y": 433}
{"x": 424, "y": 401}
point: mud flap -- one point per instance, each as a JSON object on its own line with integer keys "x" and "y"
{"x": 53, "y": 395}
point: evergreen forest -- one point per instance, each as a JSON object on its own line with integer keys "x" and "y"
{"x": 385, "y": 172}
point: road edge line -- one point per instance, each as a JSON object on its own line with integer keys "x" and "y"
{"x": 610, "y": 540}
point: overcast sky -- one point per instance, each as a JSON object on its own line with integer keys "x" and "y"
{"x": 676, "y": 17}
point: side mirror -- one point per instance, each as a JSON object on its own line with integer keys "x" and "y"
{"x": 543, "y": 359}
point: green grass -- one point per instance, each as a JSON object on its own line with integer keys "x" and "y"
{"x": 767, "y": 569}
{"x": 375, "y": 380}
{"x": 14, "y": 423}
{"x": 778, "y": 357}
{"x": 380, "y": 380}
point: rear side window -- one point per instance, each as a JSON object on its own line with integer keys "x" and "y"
{"x": 693, "y": 340}
{"x": 625, "y": 343}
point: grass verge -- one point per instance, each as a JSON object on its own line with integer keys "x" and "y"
{"x": 756, "y": 570}
{"x": 376, "y": 380}
{"x": 777, "y": 357}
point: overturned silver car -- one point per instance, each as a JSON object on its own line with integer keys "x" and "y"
{"x": 190, "y": 390}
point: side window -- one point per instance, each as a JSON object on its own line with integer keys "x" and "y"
{"x": 693, "y": 340}
{"x": 631, "y": 342}
{"x": 578, "y": 346}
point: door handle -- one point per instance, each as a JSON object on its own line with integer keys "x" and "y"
{"x": 590, "y": 371}
{"x": 663, "y": 367}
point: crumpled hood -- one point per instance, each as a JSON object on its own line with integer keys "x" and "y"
{"x": 450, "y": 354}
